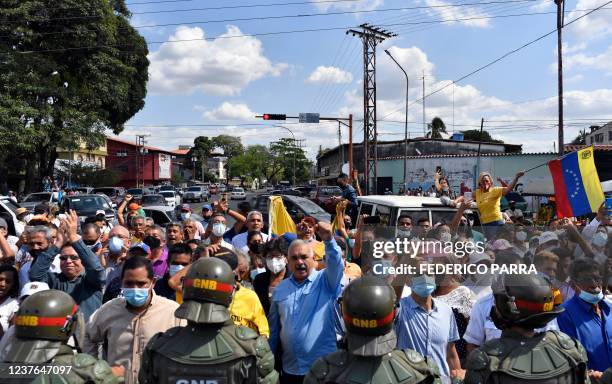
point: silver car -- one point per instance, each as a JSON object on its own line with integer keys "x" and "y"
{"x": 197, "y": 193}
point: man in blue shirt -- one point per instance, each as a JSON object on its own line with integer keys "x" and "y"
{"x": 587, "y": 316}
{"x": 349, "y": 194}
{"x": 428, "y": 326}
{"x": 302, "y": 311}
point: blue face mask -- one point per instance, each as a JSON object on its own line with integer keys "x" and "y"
{"x": 136, "y": 297}
{"x": 591, "y": 298}
{"x": 174, "y": 269}
{"x": 381, "y": 268}
{"x": 115, "y": 245}
{"x": 423, "y": 285}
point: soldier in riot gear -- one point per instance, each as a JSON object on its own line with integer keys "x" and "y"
{"x": 210, "y": 347}
{"x": 368, "y": 310}
{"x": 524, "y": 302}
{"x": 44, "y": 323}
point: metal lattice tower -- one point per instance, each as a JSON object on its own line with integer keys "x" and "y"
{"x": 370, "y": 36}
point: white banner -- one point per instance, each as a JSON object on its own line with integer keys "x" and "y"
{"x": 165, "y": 166}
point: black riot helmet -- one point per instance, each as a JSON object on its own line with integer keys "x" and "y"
{"x": 525, "y": 300}
{"x": 208, "y": 287}
{"x": 368, "y": 306}
{"x": 44, "y": 321}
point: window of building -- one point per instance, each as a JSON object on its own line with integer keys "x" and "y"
{"x": 599, "y": 138}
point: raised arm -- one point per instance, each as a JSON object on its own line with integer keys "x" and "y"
{"x": 121, "y": 208}
{"x": 94, "y": 272}
{"x": 333, "y": 255}
{"x": 513, "y": 183}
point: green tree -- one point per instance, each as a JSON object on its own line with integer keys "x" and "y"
{"x": 435, "y": 128}
{"x": 87, "y": 175}
{"x": 69, "y": 70}
{"x": 292, "y": 158}
{"x": 476, "y": 135}
{"x": 202, "y": 146}
{"x": 232, "y": 147}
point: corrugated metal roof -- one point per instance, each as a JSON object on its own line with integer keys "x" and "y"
{"x": 150, "y": 148}
{"x": 496, "y": 154}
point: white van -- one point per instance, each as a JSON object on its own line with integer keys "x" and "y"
{"x": 389, "y": 208}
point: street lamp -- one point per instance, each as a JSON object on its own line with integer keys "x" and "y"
{"x": 405, "y": 123}
{"x": 294, "y": 152}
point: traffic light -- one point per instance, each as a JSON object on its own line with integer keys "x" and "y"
{"x": 274, "y": 116}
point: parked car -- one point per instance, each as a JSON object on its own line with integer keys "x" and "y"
{"x": 87, "y": 205}
{"x": 33, "y": 199}
{"x": 322, "y": 197}
{"x": 84, "y": 190}
{"x": 7, "y": 212}
{"x": 115, "y": 193}
{"x": 149, "y": 200}
{"x": 196, "y": 193}
{"x": 304, "y": 191}
{"x": 222, "y": 188}
{"x": 238, "y": 194}
{"x": 172, "y": 198}
{"x": 163, "y": 214}
{"x": 136, "y": 193}
{"x": 297, "y": 207}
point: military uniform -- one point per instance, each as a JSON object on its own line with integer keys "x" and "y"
{"x": 526, "y": 302}
{"x": 369, "y": 356}
{"x": 44, "y": 323}
{"x": 210, "y": 348}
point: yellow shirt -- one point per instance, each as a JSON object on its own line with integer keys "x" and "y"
{"x": 318, "y": 248}
{"x": 246, "y": 310}
{"x": 489, "y": 204}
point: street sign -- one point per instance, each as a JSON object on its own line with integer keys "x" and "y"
{"x": 312, "y": 118}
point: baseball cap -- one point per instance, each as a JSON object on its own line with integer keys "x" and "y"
{"x": 133, "y": 207}
{"x": 477, "y": 257}
{"x": 500, "y": 244}
{"x": 185, "y": 207}
{"x": 228, "y": 256}
{"x": 3, "y": 223}
{"x": 141, "y": 246}
{"x": 206, "y": 206}
{"x": 548, "y": 236}
{"x": 33, "y": 287}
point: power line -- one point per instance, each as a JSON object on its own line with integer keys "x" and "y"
{"x": 500, "y": 58}
{"x": 292, "y": 31}
{"x": 303, "y": 15}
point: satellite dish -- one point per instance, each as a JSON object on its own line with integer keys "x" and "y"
{"x": 345, "y": 168}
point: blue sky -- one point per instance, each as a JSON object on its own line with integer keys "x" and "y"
{"x": 216, "y": 79}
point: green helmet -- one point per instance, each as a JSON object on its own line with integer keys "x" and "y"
{"x": 208, "y": 287}
{"x": 368, "y": 306}
{"x": 44, "y": 321}
{"x": 525, "y": 300}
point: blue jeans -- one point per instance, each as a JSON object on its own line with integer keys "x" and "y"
{"x": 490, "y": 229}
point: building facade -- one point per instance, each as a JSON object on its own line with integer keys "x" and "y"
{"x": 600, "y": 135}
{"x": 138, "y": 165}
{"x": 83, "y": 155}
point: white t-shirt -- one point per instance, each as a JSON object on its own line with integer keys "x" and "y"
{"x": 7, "y": 309}
{"x": 481, "y": 329}
{"x": 240, "y": 241}
{"x": 23, "y": 271}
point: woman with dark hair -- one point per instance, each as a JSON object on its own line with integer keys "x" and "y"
{"x": 9, "y": 291}
{"x": 256, "y": 246}
{"x": 276, "y": 271}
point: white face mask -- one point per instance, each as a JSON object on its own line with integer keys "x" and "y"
{"x": 218, "y": 229}
{"x": 445, "y": 237}
{"x": 600, "y": 239}
{"x": 174, "y": 269}
{"x": 351, "y": 243}
{"x": 521, "y": 236}
{"x": 401, "y": 233}
{"x": 276, "y": 265}
{"x": 185, "y": 215}
{"x": 255, "y": 272}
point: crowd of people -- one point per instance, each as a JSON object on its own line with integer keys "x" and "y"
{"x": 133, "y": 279}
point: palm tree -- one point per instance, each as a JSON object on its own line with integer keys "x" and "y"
{"x": 435, "y": 128}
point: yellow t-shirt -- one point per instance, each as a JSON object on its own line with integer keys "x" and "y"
{"x": 489, "y": 204}
{"x": 318, "y": 248}
{"x": 246, "y": 310}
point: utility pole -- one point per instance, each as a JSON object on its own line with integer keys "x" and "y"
{"x": 560, "y": 22}
{"x": 340, "y": 143}
{"x": 424, "y": 121}
{"x": 370, "y": 36}
{"x": 140, "y": 156}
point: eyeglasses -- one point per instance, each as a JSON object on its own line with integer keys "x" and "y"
{"x": 72, "y": 257}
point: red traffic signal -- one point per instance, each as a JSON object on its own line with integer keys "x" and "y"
{"x": 274, "y": 116}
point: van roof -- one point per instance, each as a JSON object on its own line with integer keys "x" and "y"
{"x": 402, "y": 201}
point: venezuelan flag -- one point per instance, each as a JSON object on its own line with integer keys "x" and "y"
{"x": 577, "y": 188}
{"x": 279, "y": 219}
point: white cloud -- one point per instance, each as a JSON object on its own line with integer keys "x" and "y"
{"x": 223, "y": 66}
{"x": 543, "y": 5}
{"x": 229, "y": 111}
{"x": 446, "y": 12}
{"x": 332, "y": 75}
{"x": 597, "y": 25}
{"x": 582, "y": 61}
{"x": 359, "y": 5}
